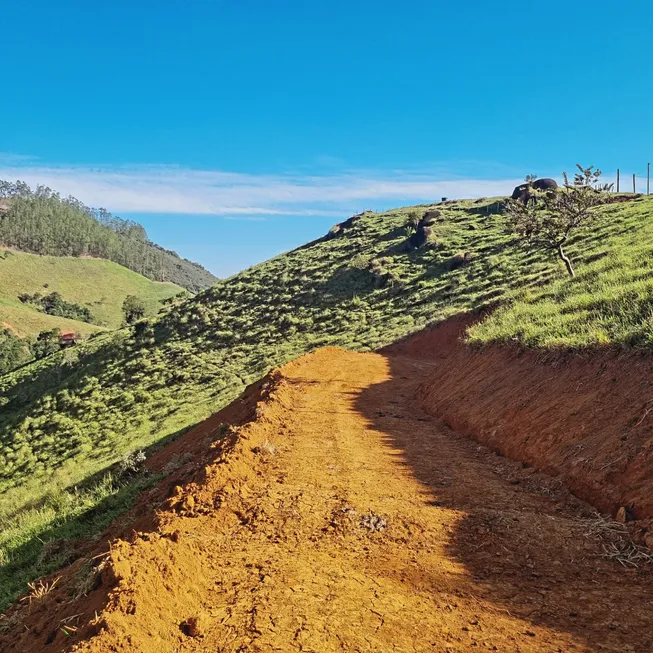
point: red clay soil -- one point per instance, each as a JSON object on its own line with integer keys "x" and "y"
{"x": 334, "y": 515}
{"x": 586, "y": 418}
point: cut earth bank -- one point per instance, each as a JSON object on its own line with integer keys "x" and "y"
{"x": 584, "y": 417}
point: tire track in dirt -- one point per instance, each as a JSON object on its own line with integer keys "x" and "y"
{"x": 270, "y": 549}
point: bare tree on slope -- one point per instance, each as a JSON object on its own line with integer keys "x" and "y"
{"x": 547, "y": 221}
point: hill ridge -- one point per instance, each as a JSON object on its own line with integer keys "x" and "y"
{"x": 40, "y": 221}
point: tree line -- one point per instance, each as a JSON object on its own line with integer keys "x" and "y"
{"x": 41, "y": 221}
{"x": 55, "y": 304}
{"x": 16, "y": 351}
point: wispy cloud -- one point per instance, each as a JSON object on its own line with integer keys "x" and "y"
{"x": 166, "y": 189}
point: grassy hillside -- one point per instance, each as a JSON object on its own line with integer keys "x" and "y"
{"x": 71, "y": 415}
{"x": 610, "y": 302}
{"x": 99, "y": 285}
{"x": 40, "y": 221}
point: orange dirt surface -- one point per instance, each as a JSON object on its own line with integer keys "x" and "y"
{"x": 584, "y": 417}
{"x": 334, "y": 515}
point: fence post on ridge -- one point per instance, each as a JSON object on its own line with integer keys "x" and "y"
{"x": 617, "y": 180}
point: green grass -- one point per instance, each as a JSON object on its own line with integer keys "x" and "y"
{"x": 41, "y": 539}
{"x": 68, "y": 417}
{"x": 609, "y": 303}
{"x": 99, "y": 285}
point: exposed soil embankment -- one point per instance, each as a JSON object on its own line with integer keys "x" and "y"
{"x": 585, "y": 417}
{"x": 68, "y": 606}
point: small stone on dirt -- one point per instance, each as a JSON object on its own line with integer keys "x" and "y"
{"x": 622, "y": 515}
{"x": 648, "y": 540}
{"x": 373, "y": 522}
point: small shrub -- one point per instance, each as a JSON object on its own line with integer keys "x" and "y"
{"x": 546, "y": 219}
{"x": 412, "y": 222}
{"x": 132, "y": 463}
{"x": 359, "y": 262}
{"x": 39, "y": 590}
{"x": 177, "y": 462}
{"x": 86, "y": 578}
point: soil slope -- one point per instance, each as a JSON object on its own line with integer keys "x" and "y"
{"x": 340, "y": 517}
{"x": 585, "y": 417}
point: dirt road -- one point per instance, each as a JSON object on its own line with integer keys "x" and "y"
{"x": 345, "y": 519}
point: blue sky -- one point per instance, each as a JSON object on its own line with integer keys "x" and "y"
{"x": 235, "y": 130}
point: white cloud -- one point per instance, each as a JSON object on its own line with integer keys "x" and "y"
{"x": 162, "y": 189}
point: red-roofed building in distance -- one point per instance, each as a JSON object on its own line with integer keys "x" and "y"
{"x": 68, "y": 339}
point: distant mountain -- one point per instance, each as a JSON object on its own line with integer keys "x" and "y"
{"x": 40, "y": 221}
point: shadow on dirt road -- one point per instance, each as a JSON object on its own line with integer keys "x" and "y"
{"x": 523, "y": 540}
